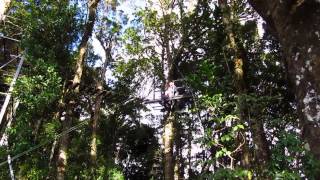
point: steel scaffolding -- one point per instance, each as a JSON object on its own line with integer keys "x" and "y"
{"x": 10, "y": 66}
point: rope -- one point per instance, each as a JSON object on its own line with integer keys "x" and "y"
{"x": 45, "y": 142}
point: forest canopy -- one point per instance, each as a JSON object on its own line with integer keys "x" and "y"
{"x": 159, "y": 89}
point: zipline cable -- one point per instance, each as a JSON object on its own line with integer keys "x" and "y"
{"x": 9, "y": 38}
{"x": 45, "y": 142}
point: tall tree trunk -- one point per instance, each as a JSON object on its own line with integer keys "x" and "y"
{"x": 296, "y": 24}
{"x": 168, "y": 138}
{"x": 73, "y": 90}
{"x": 190, "y": 127}
{"x": 179, "y": 161}
{"x": 94, "y": 126}
{"x": 4, "y": 8}
{"x": 98, "y": 101}
{"x": 261, "y": 144}
{"x": 168, "y": 133}
{"x": 262, "y": 153}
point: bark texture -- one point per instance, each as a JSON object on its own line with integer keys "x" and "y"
{"x": 73, "y": 91}
{"x": 296, "y": 24}
{"x": 179, "y": 160}
{"x": 168, "y": 147}
{"x": 94, "y": 127}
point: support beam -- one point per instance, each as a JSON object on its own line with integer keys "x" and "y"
{"x": 8, "y": 97}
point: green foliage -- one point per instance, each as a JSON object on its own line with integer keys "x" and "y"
{"x": 32, "y": 173}
{"x": 221, "y": 118}
{"x": 37, "y": 90}
{"x": 51, "y": 129}
{"x": 230, "y": 174}
{"x": 51, "y": 30}
{"x": 115, "y": 174}
{"x": 288, "y": 151}
{"x": 149, "y": 19}
{"x": 133, "y": 41}
{"x": 226, "y": 121}
{"x": 39, "y": 87}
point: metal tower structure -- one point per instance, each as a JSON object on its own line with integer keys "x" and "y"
{"x": 178, "y": 91}
{"x": 10, "y": 66}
